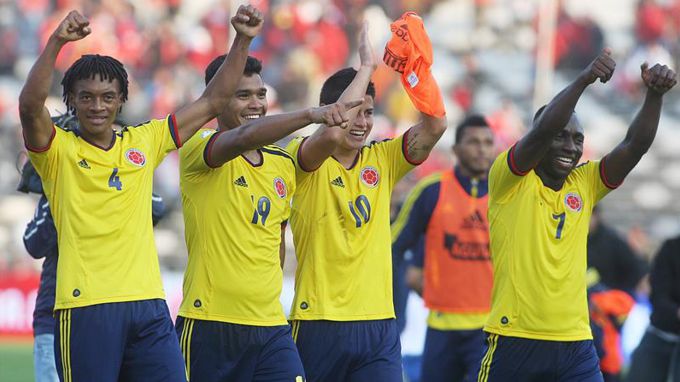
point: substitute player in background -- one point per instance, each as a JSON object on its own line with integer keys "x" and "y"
{"x": 342, "y": 314}
{"x": 236, "y": 195}
{"x": 112, "y": 321}
{"x": 451, "y": 268}
{"x": 540, "y": 202}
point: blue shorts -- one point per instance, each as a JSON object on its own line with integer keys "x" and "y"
{"x": 353, "y": 351}
{"x": 220, "y": 351}
{"x": 128, "y": 341}
{"x": 512, "y": 359}
{"x": 452, "y": 355}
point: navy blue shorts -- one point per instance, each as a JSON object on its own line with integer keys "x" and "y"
{"x": 512, "y": 359}
{"x": 126, "y": 341}
{"x": 220, "y": 351}
{"x": 353, "y": 351}
{"x": 452, "y": 355}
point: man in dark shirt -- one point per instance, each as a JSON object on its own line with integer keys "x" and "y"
{"x": 657, "y": 358}
{"x": 619, "y": 267}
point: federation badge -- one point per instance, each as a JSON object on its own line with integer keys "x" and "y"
{"x": 573, "y": 201}
{"x": 369, "y": 176}
{"x": 280, "y": 187}
{"x": 135, "y": 157}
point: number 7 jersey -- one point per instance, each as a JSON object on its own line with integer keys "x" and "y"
{"x": 341, "y": 228}
{"x": 538, "y": 250}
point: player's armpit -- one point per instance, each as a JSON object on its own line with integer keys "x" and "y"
{"x": 421, "y": 138}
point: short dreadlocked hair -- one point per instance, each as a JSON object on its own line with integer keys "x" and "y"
{"x": 89, "y": 66}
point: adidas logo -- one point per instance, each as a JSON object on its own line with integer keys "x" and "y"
{"x": 83, "y": 164}
{"x": 241, "y": 181}
{"x": 338, "y": 182}
{"x": 475, "y": 221}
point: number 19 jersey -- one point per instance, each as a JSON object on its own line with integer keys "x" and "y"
{"x": 232, "y": 218}
{"x": 341, "y": 228}
{"x": 538, "y": 250}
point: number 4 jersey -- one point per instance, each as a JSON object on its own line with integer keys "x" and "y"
{"x": 538, "y": 250}
{"x": 232, "y": 217}
{"x": 341, "y": 228}
{"x": 101, "y": 204}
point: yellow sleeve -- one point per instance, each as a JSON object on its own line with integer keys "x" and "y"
{"x": 290, "y": 181}
{"x": 293, "y": 148}
{"x": 502, "y": 178}
{"x": 595, "y": 173}
{"x": 396, "y": 158}
{"x": 162, "y": 136}
{"x": 192, "y": 155}
{"x": 45, "y": 160}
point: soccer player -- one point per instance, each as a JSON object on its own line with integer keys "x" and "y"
{"x": 540, "y": 202}
{"x": 343, "y": 315}
{"x": 451, "y": 268}
{"x": 236, "y": 194}
{"x": 40, "y": 240}
{"x": 112, "y": 322}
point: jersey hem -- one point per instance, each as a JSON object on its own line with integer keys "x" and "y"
{"x": 511, "y": 162}
{"x": 231, "y": 320}
{"x": 42, "y": 149}
{"x": 107, "y": 300}
{"x": 333, "y": 317}
{"x": 539, "y": 336}
{"x": 603, "y": 177}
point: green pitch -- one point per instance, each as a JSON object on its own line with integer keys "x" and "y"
{"x": 16, "y": 362}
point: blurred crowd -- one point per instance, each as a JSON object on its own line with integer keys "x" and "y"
{"x": 484, "y": 62}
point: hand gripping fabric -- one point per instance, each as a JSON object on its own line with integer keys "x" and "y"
{"x": 409, "y": 52}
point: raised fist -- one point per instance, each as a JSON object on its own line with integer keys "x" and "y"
{"x": 73, "y": 28}
{"x": 247, "y": 21}
{"x": 602, "y": 67}
{"x": 658, "y": 78}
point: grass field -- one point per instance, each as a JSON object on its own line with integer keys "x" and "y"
{"x": 16, "y": 361}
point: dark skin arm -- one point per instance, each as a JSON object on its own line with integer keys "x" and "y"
{"x": 414, "y": 279}
{"x": 623, "y": 158}
{"x": 267, "y": 130}
{"x": 320, "y": 145}
{"x": 247, "y": 22}
{"x": 535, "y": 144}
{"x": 35, "y": 118}
{"x": 282, "y": 248}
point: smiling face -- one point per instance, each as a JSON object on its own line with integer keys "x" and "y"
{"x": 360, "y": 127}
{"x": 564, "y": 153}
{"x": 96, "y": 103}
{"x": 248, "y": 102}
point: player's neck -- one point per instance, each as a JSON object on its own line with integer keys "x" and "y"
{"x": 549, "y": 181}
{"x": 466, "y": 172}
{"x": 345, "y": 157}
{"x": 102, "y": 139}
{"x": 253, "y": 156}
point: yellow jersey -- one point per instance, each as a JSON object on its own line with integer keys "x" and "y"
{"x": 341, "y": 229}
{"x": 102, "y": 211}
{"x": 538, "y": 249}
{"x": 232, "y": 220}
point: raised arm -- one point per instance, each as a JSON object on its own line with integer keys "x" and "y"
{"x": 247, "y": 22}
{"x": 534, "y": 145}
{"x": 320, "y": 145}
{"x": 35, "y": 118}
{"x": 623, "y": 158}
{"x": 266, "y": 130}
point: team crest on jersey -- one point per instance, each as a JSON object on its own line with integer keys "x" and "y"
{"x": 135, "y": 157}
{"x": 369, "y": 176}
{"x": 280, "y": 187}
{"x": 573, "y": 201}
